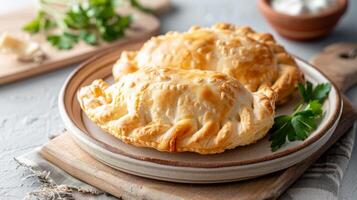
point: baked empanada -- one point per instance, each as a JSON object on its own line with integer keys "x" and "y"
{"x": 254, "y": 59}
{"x": 179, "y": 110}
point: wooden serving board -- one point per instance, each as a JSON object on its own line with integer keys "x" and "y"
{"x": 339, "y": 62}
{"x": 64, "y": 153}
{"x": 144, "y": 26}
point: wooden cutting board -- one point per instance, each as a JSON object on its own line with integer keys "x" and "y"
{"x": 339, "y": 62}
{"x": 143, "y": 27}
{"x": 64, "y": 153}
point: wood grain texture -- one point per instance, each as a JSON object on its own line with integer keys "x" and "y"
{"x": 144, "y": 27}
{"x": 339, "y": 62}
{"x": 63, "y": 152}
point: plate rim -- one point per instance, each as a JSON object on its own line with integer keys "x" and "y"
{"x": 76, "y": 131}
{"x": 222, "y": 174}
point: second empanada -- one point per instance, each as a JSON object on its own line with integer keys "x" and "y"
{"x": 255, "y": 59}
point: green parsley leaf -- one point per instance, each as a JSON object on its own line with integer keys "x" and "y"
{"x": 101, "y": 9}
{"x": 65, "y": 41}
{"x": 91, "y": 21}
{"x": 295, "y": 127}
{"x": 89, "y": 38}
{"x": 40, "y": 22}
{"x": 49, "y": 24}
{"x": 32, "y": 27}
{"x": 77, "y": 18}
{"x": 315, "y": 107}
{"x": 303, "y": 121}
{"x": 303, "y": 126}
{"x": 305, "y": 91}
{"x": 319, "y": 93}
{"x": 112, "y": 30}
{"x": 279, "y": 131}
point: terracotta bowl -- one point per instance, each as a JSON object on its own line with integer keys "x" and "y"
{"x": 304, "y": 26}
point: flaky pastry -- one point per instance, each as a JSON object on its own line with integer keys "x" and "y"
{"x": 254, "y": 59}
{"x": 179, "y": 110}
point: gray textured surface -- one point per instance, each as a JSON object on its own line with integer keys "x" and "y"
{"x": 28, "y": 108}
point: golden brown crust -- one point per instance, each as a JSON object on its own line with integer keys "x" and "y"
{"x": 180, "y": 110}
{"x": 254, "y": 59}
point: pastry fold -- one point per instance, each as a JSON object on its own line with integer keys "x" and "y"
{"x": 179, "y": 110}
{"x": 254, "y": 59}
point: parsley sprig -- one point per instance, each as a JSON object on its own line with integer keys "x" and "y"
{"x": 90, "y": 21}
{"x": 303, "y": 120}
{"x": 40, "y": 22}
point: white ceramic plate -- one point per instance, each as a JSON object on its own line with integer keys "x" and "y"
{"x": 237, "y": 164}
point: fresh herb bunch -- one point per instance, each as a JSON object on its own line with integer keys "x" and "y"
{"x": 41, "y": 22}
{"x": 89, "y": 21}
{"x": 303, "y": 120}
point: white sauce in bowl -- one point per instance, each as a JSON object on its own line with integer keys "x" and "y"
{"x": 297, "y": 7}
